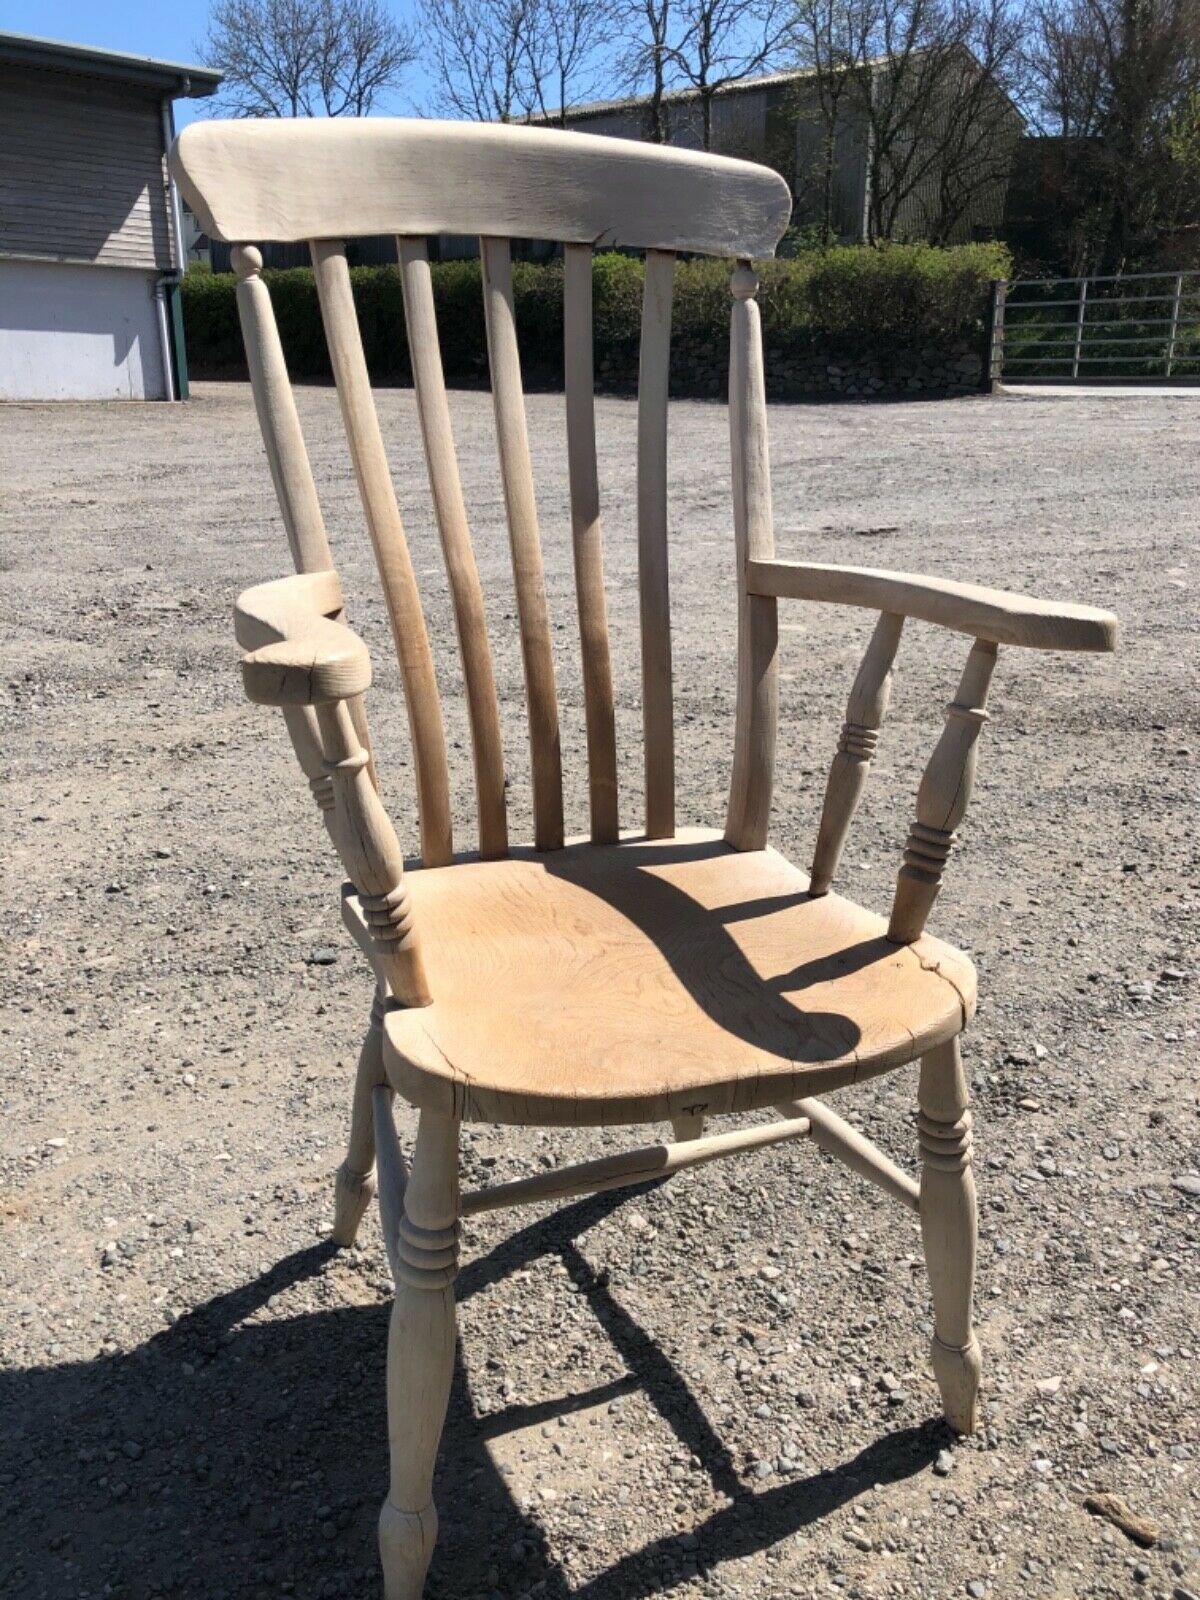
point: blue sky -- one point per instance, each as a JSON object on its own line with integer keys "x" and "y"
{"x": 171, "y": 29}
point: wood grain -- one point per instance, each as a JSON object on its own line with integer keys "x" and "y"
{"x": 865, "y": 712}
{"x": 949, "y": 1227}
{"x": 654, "y": 590}
{"x": 451, "y": 513}
{"x": 382, "y": 515}
{"x": 632, "y": 1166}
{"x": 943, "y": 797}
{"x": 963, "y": 607}
{"x": 753, "y": 774}
{"x": 327, "y": 178}
{"x": 278, "y": 420}
{"x": 296, "y": 655}
{"x": 420, "y": 1355}
{"x": 635, "y": 983}
{"x": 588, "y": 544}
{"x": 516, "y": 472}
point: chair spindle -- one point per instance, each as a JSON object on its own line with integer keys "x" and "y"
{"x": 865, "y": 711}
{"x": 451, "y": 513}
{"x": 658, "y": 716}
{"x": 758, "y": 629}
{"x": 516, "y": 471}
{"x": 942, "y": 798}
{"x": 275, "y": 404}
{"x": 588, "y": 545}
{"x": 391, "y": 548}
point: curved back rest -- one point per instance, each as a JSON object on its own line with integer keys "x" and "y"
{"x": 324, "y": 181}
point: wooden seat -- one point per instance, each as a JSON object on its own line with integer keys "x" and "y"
{"x": 722, "y": 986}
{"x": 679, "y": 974}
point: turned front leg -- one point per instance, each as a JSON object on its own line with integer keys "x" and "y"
{"x": 420, "y": 1354}
{"x": 948, "y": 1230}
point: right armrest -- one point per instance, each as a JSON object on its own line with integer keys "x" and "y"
{"x": 297, "y": 654}
{"x": 969, "y": 608}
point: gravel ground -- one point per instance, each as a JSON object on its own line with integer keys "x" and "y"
{"x": 718, "y": 1387}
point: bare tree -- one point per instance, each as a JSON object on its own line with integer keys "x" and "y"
{"x": 479, "y": 53}
{"x": 305, "y": 58}
{"x": 1118, "y": 82}
{"x": 923, "y": 85}
{"x": 720, "y": 42}
{"x": 647, "y": 29}
{"x": 565, "y": 53}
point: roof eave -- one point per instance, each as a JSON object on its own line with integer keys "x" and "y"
{"x": 180, "y": 79}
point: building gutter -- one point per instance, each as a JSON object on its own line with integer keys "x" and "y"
{"x": 170, "y": 309}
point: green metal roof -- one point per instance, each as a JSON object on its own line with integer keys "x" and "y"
{"x": 179, "y": 78}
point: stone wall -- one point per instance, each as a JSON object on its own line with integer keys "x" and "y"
{"x": 945, "y": 370}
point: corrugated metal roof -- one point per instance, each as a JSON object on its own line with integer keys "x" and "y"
{"x": 180, "y": 78}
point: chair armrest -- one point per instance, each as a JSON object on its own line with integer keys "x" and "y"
{"x": 990, "y": 614}
{"x": 297, "y": 654}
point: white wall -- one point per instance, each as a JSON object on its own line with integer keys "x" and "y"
{"x": 78, "y": 333}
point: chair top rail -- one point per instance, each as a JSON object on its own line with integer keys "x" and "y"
{"x": 331, "y": 178}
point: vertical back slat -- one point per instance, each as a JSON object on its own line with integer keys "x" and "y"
{"x": 451, "y": 513}
{"x": 516, "y": 472}
{"x": 277, "y": 418}
{"x": 391, "y": 548}
{"x": 758, "y": 680}
{"x": 658, "y": 717}
{"x": 283, "y": 438}
{"x": 587, "y": 540}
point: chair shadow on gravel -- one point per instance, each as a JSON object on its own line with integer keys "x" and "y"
{"x": 260, "y": 1471}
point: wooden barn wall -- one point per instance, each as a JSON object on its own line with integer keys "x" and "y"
{"x": 82, "y": 171}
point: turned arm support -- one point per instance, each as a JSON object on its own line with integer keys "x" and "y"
{"x": 300, "y": 659}
{"x": 993, "y": 617}
{"x": 942, "y": 798}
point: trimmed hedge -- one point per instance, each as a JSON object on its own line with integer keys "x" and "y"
{"x": 846, "y": 303}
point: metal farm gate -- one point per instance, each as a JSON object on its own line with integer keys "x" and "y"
{"x": 1142, "y": 328}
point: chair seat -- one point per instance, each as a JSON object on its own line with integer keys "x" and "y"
{"x": 633, "y": 982}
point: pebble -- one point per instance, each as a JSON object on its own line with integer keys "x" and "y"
{"x": 1186, "y": 1184}
{"x": 976, "y": 1588}
{"x": 944, "y": 1465}
{"x": 323, "y": 956}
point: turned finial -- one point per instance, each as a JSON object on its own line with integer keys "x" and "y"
{"x": 744, "y": 283}
{"x": 246, "y": 260}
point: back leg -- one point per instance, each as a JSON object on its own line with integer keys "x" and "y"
{"x": 355, "y": 1183}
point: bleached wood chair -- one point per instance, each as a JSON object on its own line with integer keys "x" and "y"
{"x": 670, "y": 974}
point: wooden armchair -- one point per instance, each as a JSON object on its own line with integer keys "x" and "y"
{"x": 666, "y": 975}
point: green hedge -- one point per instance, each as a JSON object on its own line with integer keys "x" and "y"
{"x": 847, "y": 301}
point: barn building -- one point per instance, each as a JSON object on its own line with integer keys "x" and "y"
{"x": 91, "y": 239}
{"x": 954, "y": 182}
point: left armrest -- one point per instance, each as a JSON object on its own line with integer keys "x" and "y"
{"x": 297, "y": 654}
{"x": 990, "y": 614}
